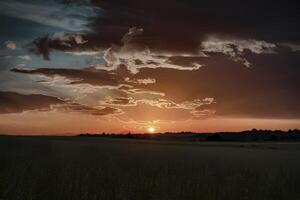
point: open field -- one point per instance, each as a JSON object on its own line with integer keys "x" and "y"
{"x": 83, "y": 168}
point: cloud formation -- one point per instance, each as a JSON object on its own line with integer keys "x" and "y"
{"x": 237, "y": 91}
{"x": 135, "y": 55}
{"x": 25, "y": 58}
{"x": 51, "y": 13}
{"x": 77, "y": 76}
{"x": 235, "y": 48}
{"x": 143, "y": 61}
{"x": 10, "y": 45}
{"x": 11, "y": 102}
{"x": 98, "y": 111}
{"x": 195, "y": 20}
{"x": 62, "y": 41}
{"x": 293, "y": 47}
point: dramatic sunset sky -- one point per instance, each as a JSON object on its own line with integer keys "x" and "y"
{"x": 72, "y": 66}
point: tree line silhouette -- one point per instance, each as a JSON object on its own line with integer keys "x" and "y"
{"x": 253, "y": 135}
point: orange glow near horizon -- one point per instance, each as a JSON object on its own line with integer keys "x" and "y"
{"x": 55, "y": 122}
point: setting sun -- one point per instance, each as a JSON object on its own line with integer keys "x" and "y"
{"x": 151, "y": 129}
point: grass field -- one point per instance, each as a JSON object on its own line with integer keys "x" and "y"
{"x": 71, "y": 168}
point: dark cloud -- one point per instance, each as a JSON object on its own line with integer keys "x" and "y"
{"x": 87, "y": 75}
{"x": 62, "y": 41}
{"x": 11, "y": 102}
{"x": 102, "y": 111}
{"x": 181, "y": 25}
{"x": 42, "y": 47}
{"x": 120, "y": 77}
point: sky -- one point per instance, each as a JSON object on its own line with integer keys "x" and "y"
{"x": 119, "y": 66}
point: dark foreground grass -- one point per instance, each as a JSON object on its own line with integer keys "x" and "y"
{"x": 49, "y": 168}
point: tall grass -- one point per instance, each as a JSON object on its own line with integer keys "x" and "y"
{"x": 49, "y": 168}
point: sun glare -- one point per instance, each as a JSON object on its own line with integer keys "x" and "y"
{"x": 151, "y": 129}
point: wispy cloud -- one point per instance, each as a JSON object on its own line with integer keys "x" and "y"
{"x": 137, "y": 56}
{"x": 25, "y": 57}
{"x": 236, "y": 47}
{"x": 50, "y": 13}
{"x": 10, "y": 44}
{"x": 293, "y": 47}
